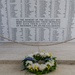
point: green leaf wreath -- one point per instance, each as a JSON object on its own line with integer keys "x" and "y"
{"x": 39, "y": 63}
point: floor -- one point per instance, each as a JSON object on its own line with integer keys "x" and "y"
{"x": 15, "y": 69}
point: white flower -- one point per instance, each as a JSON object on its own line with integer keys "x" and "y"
{"x": 42, "y": 67}
{"x": 29, "y": 66}
{"x": 35, "y": 65}
{"x": 51, "y": 63}
{"x": 47, "y": 54}
{"x": 42, "y": 54}
{"x": 29, "y": 62}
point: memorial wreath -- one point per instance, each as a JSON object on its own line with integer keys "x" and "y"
{"x": 39, "y": 63}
